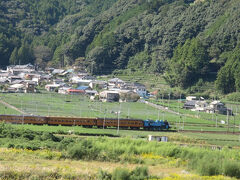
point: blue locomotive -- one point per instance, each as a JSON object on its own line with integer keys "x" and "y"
{"x": 157, "y": 125}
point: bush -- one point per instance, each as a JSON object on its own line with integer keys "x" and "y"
{"x": 233, "y": 97}
{"x": 121, "y": 174}
{"x": 104, "y": 175}
{"x": 84, "y": 150}
{"x": 139, "y": 173}
{"x": 232, "y": 169}
{"x": 49, "y": 136}
{"x": 209, "y": 166}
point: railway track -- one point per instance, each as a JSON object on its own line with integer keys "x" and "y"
{"x": 211, "y": 132}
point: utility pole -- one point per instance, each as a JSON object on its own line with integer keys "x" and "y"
{"x": 227, "y": 121}
{"x": 234, "y": 123}
{"x": 104, "y": 118}
{"x": 119, "y": 118}
{"x": 216, "y": 121}
{"x": 169, "y": 99}
{"x": 48, "y": 110}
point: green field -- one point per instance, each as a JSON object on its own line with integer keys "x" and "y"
{"x": 53, "y": 104}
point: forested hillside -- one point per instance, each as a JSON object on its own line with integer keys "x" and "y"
{"x": 188, "y": 41}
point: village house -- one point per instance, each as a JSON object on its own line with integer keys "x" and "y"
{"x": 115, "y": 82}
{"x": 16, "y": 69}
{"x": 13, "y": 79}
{"x": 76, "y": 91}
{"x": 200, "y": 106}
{"x": 52, "y": 87}
{"x": 91, "y": 93}
{"x": 29, "y": 87}
{"x": 57, "y": 71}
{"x": 109, "y": 96}
{"x": 63, "y": 90}
{"x": 98, "y": 84}
{"x": 218, "y": 107}
{"x": 17, "y": 88}
{"x": 191, "y": 98}
{"x": 4, "y": 81}
{"x": 138, "y": 88}
{"x": 58, "y": 81}
{"x": 189, "y": 104}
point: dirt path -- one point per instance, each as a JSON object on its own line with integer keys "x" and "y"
{"x": 12, "y": 107}
{"x": 166, "y": 109}
{"x": 159, "y": 107}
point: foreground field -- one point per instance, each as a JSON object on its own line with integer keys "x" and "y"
{"x": 26, "y": 154}
{"x": 230, "y": 139}
{"x": 43, "y": 164}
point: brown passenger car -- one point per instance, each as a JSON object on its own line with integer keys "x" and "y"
{"x": 71, "y": 121}
{"x": 123, "y": 123}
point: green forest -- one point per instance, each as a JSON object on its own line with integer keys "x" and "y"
{"x": 186, "y": 41}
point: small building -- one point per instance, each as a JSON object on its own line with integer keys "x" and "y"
{"x": 58, "y": 81}
{"x": 63, "y": 90}
{"x": 218, "y": 107}
{"x": 109, "y": 96}
{"x": 18, "y": 88}
{"x": 88, "y": 77}
{"x": 191, "y": 98}
{"x": 98, "y": 84}
{"x": 57, "y": 71}
{"x": 91, "y": 92}
{"x": 157, "y": 138}
{"x": 189, "y": 104}
{"x": 75, "y": 91}
{"x": 200, "y": 106}
{"x": 30, "y": 87}
{"x": 115, "y": 82}
{"x": 52, "y": 87}
{"x": 15, "y": 69}
{"x": 84, "y": 88}
{"x": 14, "y": 78}
{"x": 4, "y": 81}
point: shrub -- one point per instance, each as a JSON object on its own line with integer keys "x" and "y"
{"x": 121, "y": 174}
{"x": 232, "y": 169}
{"x": 139, "y": 173}
{"x": 209, "y": 166}
{"x": 83, "y": 150}
{"x": 104, "y": 175}
{"x": 233, "y": 97}
{"x": 49, "y": 136}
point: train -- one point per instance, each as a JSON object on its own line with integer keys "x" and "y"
{"x": 136, "y": 124}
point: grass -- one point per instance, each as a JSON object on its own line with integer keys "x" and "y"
{"x": 6, "y": 110}
{"x": 54, "y": 104}
{"x": 37, "y": 146}
{"x": 25, "y": 161}
{"x": 181, "y": 137}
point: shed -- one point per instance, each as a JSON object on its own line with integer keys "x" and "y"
{"x": 157, "y": 138}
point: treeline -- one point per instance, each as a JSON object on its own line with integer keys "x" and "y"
{"x": 187, "y": 40}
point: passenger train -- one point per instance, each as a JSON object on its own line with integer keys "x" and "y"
{"x": 157, "y": 125}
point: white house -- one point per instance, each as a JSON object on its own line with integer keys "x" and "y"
{"x": 109, "y": 96}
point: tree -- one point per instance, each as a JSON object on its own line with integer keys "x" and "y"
{"x": 228, "y": 77}
{"x": 188, "y": 64}
{"x": 25, "y": 54}
{"x": 14, "y": 56}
